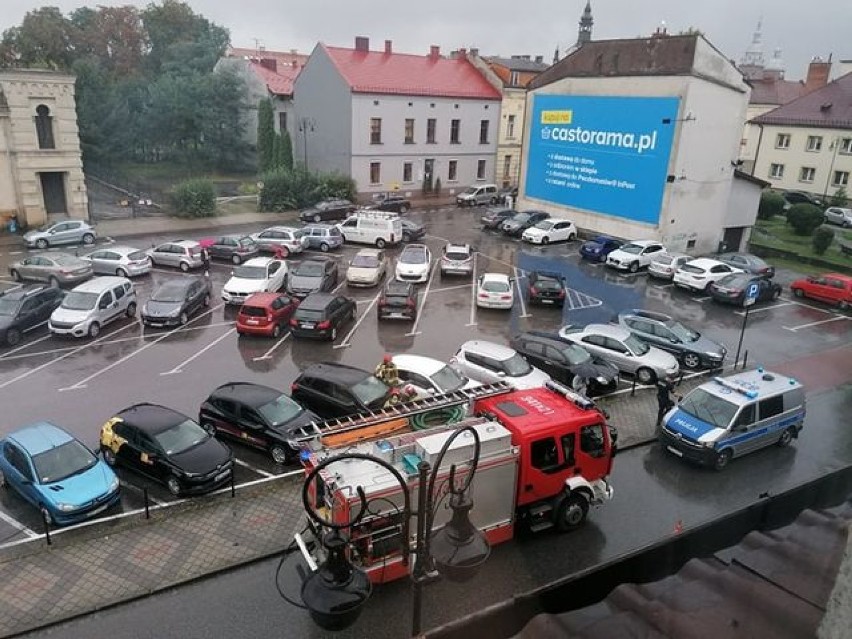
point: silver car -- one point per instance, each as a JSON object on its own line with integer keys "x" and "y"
{"x": 837, "y": 215}
{"x": 65, "y": 232}
{"x": 182, "y": 254}
{"x": 54, "y": 268}
{"x": 284, "y": 238}
{"x": 124, "y": 261}
{"x": 627, "y": 352}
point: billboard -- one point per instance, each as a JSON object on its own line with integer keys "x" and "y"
{"x": 604, "y": 154}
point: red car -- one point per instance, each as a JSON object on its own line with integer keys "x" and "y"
{"x": 265, "y": 314}
{"x": 833, "y": 288}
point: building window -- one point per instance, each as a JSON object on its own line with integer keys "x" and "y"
{"x": 507, "y": 166}
{"x": 406, "y": 171}
{"x": 375, "y": 130}
{"x": 455, "y": 130}
{"x": 807, "y": 174}
{"x": 846, "y": 146}
{"x": 510, "y": 126}
{"x": 840, "y": 178}
{"x": 44, "y": 127}
{"x": 814, "y": 143}
{"x": 782, "y": 141}
{"x": 375, "y": 172}
{"x": 776, "y": 171}
{"x": 452, "y": 170}
{"x": 480, "y": 170}
{"x": 514, "y": 78}
{"x": 431, "y": 125}
{"x": 282, "y": 121}
{"x": 409, "y": 130}
{"x": 483, "y": 131}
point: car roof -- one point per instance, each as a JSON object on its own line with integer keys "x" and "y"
{"x": 316, "y": 301}
{"x": 415, "y": 247}
{"x": 20, "y": 294}
{"x": 369, "y": 252}
{"x": 290, "y": 229}
{"x": 492, "y": 349}
{"x": 495, "y": 277}
{"x": 333, "y": 371}
{"x": 705, "y": 262}
{"x": 671, "y": 256}
{"x": 253, "y": 395}
{"x": 317, "y": 225}
{"x": 426, "y": 365}
{"x": 838, "y": 276}
{"x": 643, "y": 242}
{"x": 599, "y": 239}
{"x": 608, "y": 330}
{"x": 98, "y": 284}
{"x": 235, "y": 236}
{"x": 641, "y": 313}
{"x": 187, "y": 243}
{"x": 178, "y": 282}
{"x": 749, "y": 385}
{"x": 151, "y": 418}
{"x": 547, "y": 275}
{"x": 39, "y": 437}
{"x": 457, "y": 247}
{"x": 259, "y": 261}
{"x": 539, "y": 336}
{"x": 119, "y": 249}
{"x": 262, "y": 299}
{"x": 396, "y": 287}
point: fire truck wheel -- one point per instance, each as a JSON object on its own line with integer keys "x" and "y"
{"x": 571, "y": 512}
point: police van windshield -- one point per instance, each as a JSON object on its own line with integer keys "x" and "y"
{"x": 708, "y": 408}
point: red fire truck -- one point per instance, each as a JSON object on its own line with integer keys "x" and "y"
{"x": 545, "y": 455}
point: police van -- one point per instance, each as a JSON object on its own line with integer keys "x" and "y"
{"x": 731, "y": 416}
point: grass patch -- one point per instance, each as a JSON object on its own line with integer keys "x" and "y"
{"x": 775, "y": 233}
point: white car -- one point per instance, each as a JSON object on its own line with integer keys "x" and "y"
{"x": 635, "y": 255}
{"x": 414, "y": 263}
{"x": 488, "y": 362}
{"x": 495, "y": 290}
{"x": 285, "y": 238}
{"x": 367, "y": 268}
{"x": 665, "y": 266}
{"x": 838, "y": 215}
{"x": 550, "y": 230}
{"x": 699, "y": 274}
{"x": 257, "y": 275}
{"x": 430, "y": 376}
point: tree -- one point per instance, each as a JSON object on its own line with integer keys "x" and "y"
{"x": 44, "y": 39}
{"x": 822, "y": 239}
{"x": 265, "y": 136}
{"x": 771, "y": 204}
{"x": 804, "y": 218}
{"x": 839, "y": 199}
{"x": 286, "y": 150}
{"x": 182, "y": 40}
{"x": 277, "y": 153}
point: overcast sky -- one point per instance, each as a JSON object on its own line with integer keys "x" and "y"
{"x": 504, "y": 27}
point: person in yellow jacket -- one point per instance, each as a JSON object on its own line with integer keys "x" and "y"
{"x": 388, "y": 372}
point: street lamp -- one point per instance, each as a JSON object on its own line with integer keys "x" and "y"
{"x": 336, "y": 591}
{"x": 306, "y": 125}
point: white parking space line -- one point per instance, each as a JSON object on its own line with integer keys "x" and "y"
{"x": 83, "y": 347}
{"x": 451, "y": 288}
{"x": 240, "y": 462}
{"x": 14, "y": 523}
{"x": 520, "y": 293}
{"x": 662, "y": 285}
{"x": 702, "y": 299}
{"x": 473, "y": 287}
{"x": 16, "y": 252}
{"x": 179, "y": 368}
{"x": 14, "y": 288}
{"x": 345, "y": 343}
{"x": 810, "y": 306}
{"x": 577, "y": 300}
{"x": 268, "y": 354}
{"x": 825, "y": 321}
{"x": 25, "y": 346}
{"x": 82, "y": 383}
{"x": 752, "y": 311}
{"x": 414, "y": 330}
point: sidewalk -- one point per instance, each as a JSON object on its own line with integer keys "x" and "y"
{"x": 41, "y": 585}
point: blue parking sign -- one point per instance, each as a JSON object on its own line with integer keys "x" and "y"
{"x": 752, "y": 293}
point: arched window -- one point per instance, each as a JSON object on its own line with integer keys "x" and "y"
{"x": 44, "y": 127}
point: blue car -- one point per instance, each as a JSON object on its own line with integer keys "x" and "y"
{"x": 56, "y": 473}
{"x": 596, "y": 249}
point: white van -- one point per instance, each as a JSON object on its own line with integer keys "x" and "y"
{"x": 377, "y": 228}
{"x": 478, "y": 194}
{"x": 93, "y": 304}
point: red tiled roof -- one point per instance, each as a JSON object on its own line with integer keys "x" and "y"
{"x": 828, "y": 107}
{"x": 279, "y": 82}
{"x": 775, "y": 91}
{"x": 405, "y": 74}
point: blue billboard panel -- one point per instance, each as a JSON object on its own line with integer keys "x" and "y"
{"x": 604, "y": 154}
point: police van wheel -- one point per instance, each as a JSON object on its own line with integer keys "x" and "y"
{"x": 571, "y": 512}
{"x": 722, "y": 459}
{"x": 786, "y": 437}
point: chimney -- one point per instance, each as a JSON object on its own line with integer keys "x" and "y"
{"x": 388, "y": 47}
{"x": 294, "y": 64}
{"x": 818, "y": 72}
{"x": 462, "y": 54}
{"x": 539, "y": 59}
{"x": 269, "y": 63}
{"x": 294, "y": 52}
{"x": 434, "y": 52}
{"x": 474, "y": 52}
{"x": 362, "y": 44}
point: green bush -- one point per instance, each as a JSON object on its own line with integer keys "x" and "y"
{"x": 822, "y": 239}
{"x": 804, "y": 218}
{"x": 840, "y": 198}
{"x": 194, "y": 198}
{"x": 286, "y": 190}
{"x": 771, "y": 204}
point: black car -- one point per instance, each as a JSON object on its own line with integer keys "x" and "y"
{"x": 315, "y": 274}
{"x": 25, "y": 309}
{"x": 255, "y": 415}
{"x": 412, "y": 231}
{"x": 321, "y": 315}
{"x": 495, "y": 217}
{"x": 800, "y": 197}
{"x": 236, "y": 248}
{"x": 507, "y": 191}
{"x": 328, "y": 209}
{"x": 515, "y": 226}
{"x": 597, "y": 249}
{"x": 390, "y": 202}
{"x": 563, "y": 361}
{"x": 168, "y": 447}
{"x": 748, "y": 263}
{"x": 398, "y": 301}
{"x": 546, "y": 288}
{"x": 732, "y": 288}
{"x": 335, "y": 390}
{"x": 174, "y": 301}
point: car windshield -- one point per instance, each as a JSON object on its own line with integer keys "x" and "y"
{"x": 169, "y": 293}
{"x": 457, "y": 255}
{"x": 365, "y": 261}
{"x": 576, "y": 355}
{"x": 664, "y": 259}
{"x": 636, "y": 345}
{"x": 634, "y": 249}
{"x": 469, "y": 190}
{"x": 544, "y": 225}
{"x": 692, "y": 268}
{"x": 79, "y": 301}
{"x": 448, "y": 379}
{"x": 413, "y": 256}
{"x": 8, "y": 307}
{"x": 309, "y": 269}
{"x": 280, "y": 411}
{"x": 181, "y": 437}
{"x": 708, "y": 408}
{"x": 735, "y": 280}
{"x": 250, "y": 272}
{"x": 370, "y": 391}
{"x": 521, "y": 218}
{"x": 308, "y": 315}
{"x": 495, "y": 286}
{"x": 686, "y": 335}
{"x": 516, "y": 366}
{"x": 61, "y": 462}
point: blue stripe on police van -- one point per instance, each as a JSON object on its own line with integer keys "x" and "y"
{"x": 769, "y": 428}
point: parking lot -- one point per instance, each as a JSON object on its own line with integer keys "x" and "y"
{"x": 79, "y": 384}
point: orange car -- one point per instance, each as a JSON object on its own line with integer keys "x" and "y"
{"x": 265, "y": 314}
{"x": 833, "y": 288}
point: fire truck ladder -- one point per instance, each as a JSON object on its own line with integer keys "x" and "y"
{"x": 401, "y": 411}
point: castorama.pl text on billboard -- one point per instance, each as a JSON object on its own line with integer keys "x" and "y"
{"x": 602, "y": 154}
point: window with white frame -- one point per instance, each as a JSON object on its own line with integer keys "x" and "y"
{"x": 455, "y": 131}
{"x": 510, "y": 126}
{"x": 407, "y": 171}
{"x": 507, "y": 166}
{"x": 807, "y": 174}
{"x": 776, "y": 171}
{"x": 480, "y": 170}
{"x": 452, "y": 171}
{"x": 814, "y": 143}
{"x": 375, "y": 172}
{"x": 431, "y": 125}
{"x": 846, "y": 146}
{"x": 375, "y": 130}
{"x": 483, "y": 131}
{"x": 782, "y": 141}
{"x": 840, "y": 178}
{"x": 409, "y": 130}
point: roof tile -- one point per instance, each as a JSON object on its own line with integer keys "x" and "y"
{"x": 827, "y": 107}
